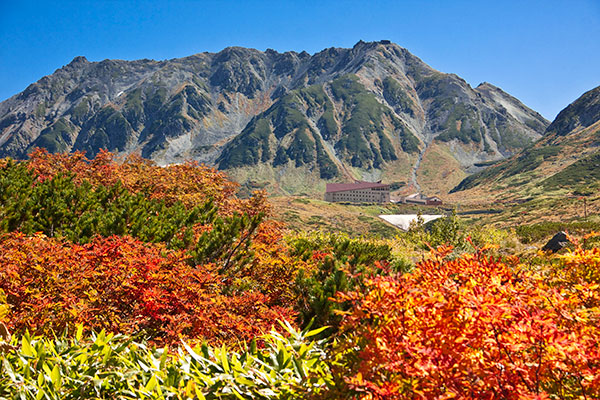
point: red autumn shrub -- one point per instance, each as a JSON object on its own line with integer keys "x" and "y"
{"x": 471, "y": 328}
{"x": 123, "y": 285}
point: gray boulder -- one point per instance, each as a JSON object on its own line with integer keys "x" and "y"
{"x": 558, "y": 241}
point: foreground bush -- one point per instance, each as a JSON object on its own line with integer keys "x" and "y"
{"x": 88, "y": 199}
{"x": 579, "y": 266}
{"x": 58, "y": 206}
{"x": 472, "y": 327}
{"x": 110, "y": 366}
{"x": 457, "y": 326}
{"x": 189, "y": 183}
{"x": 133, "y": 247}
{"x": 123, "y": 285}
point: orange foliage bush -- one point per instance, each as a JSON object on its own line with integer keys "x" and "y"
{"x": 190, "y": 183}
{"x": 238, "y": 286}
{"x": 124, "y": 285}
{"x": 472, "y": 328}
{"x": 273, "y": 269}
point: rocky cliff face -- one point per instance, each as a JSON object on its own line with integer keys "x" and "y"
{"x": 565, "y": 158}
{"x": 287, "y": 120}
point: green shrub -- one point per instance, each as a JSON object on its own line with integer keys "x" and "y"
{"x": 59, "y": 207}
{"x": 342, "y": 265}
{"x": 107, "y": 366}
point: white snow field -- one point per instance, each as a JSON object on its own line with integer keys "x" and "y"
{"x": 403, "y": 221}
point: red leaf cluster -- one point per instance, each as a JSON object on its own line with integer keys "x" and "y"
{"x": 123, "y": 285}
{"x": 474, "y": 328}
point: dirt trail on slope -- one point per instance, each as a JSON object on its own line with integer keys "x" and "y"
{"x": 413, "y": 174}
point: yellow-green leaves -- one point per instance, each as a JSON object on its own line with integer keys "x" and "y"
{"x": 4, "y": 307}
{"x": 223, "y": 359}
{"x": 315, "y": 332}
{"x": 55, "y": 377}
{"x": 151, "y": 384}
{"x": 112, "y": 366}
{"x": 26, "y": 348}
{"x": 79, "y": 333}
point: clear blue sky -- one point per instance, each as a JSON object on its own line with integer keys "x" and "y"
{"x": 546, "y": 53}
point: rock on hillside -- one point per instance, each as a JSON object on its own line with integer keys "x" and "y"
{"x": 566, "y": 157}
{"x": 288, "y": 121}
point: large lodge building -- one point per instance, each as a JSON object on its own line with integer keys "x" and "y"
{"x": 358, "y": 192}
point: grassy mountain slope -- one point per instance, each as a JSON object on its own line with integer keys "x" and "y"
{"x": 564, "y": 160}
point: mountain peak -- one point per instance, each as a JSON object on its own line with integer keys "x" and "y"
{"x": 487, "y": 85}
{"x": 361, "y": 43}
{"x": 583, "y": 112}
{"x": 78, "y": 61}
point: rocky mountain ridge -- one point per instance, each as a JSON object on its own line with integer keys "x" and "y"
{"x": 288, "y": 121}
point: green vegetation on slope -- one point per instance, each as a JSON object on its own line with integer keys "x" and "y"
{"x": 108, "y": 129}
{"x": 462, "y": 122}
{"x": 528, "y": 160}
{"x": 56, "y": 138}
{"x": 584, "y": 171}
{"x": 292, "y": 135}
{"x": 395, "y": 95}
{"x": 80, "y": 111}
{"x": 363, "y": 139}
{"x": 250, "y": 147}
{"x": 364, "y": 121}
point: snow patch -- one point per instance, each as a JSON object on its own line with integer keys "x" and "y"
{"x": 403, "y": 221}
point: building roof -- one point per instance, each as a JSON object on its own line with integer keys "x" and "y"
{"x": 420, "y": 198}
{"x": 358, "y": 185}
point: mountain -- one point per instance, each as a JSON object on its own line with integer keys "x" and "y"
{"x": 566, "y": 159}
{"x": 287, "y": 121}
